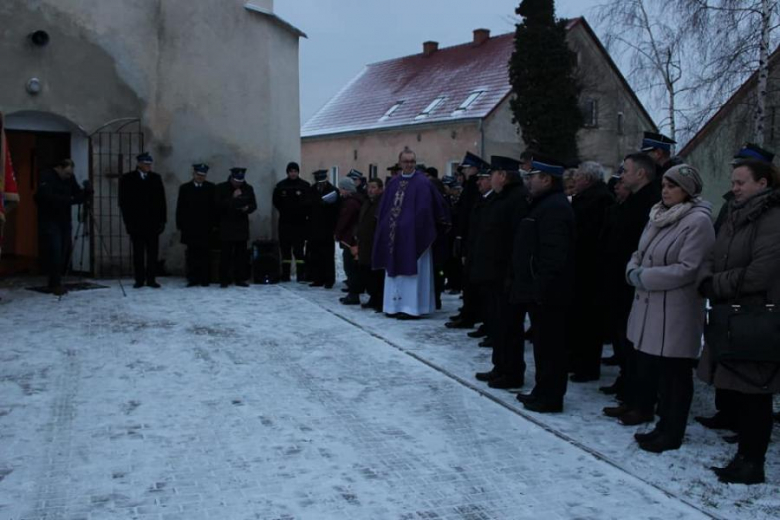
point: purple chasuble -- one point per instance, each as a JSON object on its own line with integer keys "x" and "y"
{"x": 409, "y": 213}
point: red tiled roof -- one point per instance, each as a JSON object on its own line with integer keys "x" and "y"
{"x": 453, "y": 72}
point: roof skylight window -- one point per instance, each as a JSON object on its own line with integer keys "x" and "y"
{"x": 468, "y": 102}
{"x": 390, "y": 111}
{"x": 430, "y": 108}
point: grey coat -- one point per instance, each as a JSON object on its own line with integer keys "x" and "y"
{"x": 731, "y": 256}
{"x": 667, "y": 315}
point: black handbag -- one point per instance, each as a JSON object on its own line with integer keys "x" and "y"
{"x": 743, "y": 332}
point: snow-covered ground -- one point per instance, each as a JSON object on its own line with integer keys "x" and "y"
{"x": 277, "y": 402}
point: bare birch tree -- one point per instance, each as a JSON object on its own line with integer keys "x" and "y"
{"x": 733, "y": 40}
{"x": 654, "y": 45}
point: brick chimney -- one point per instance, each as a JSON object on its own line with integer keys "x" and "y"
{"x": 430, "y": 47}
{"x": 481, "y": 36}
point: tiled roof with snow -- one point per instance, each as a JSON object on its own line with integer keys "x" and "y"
{"x": 453, "y": 74}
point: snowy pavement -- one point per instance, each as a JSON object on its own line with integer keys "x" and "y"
{"x": 277, "y": 402}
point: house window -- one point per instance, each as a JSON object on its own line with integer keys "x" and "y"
{"x": 430, "y": 108}
{"x": 373, "y": 171}
{"x": 391, "y": 110}
{"x": 772, "y": 115}
{"x": 452, "y": 167}
{"x": 334, "y": 175}
{"x": 620, "y": 123}
{"x": 468, "y": 102}
{"x": 590, "y": 113}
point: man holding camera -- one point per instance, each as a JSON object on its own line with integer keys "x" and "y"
{"x": 57, "y": 192}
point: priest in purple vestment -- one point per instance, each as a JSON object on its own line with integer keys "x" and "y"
{"x": 411, "y": 214}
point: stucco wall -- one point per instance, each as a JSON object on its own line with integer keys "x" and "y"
{"x": 211, "y": 81}
{"x": 604, "y": 143}
{"x": 434, "y": 145}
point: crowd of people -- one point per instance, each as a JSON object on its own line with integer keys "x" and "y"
{"x": 540, "y": 251}
{"x": 629, "y": 262}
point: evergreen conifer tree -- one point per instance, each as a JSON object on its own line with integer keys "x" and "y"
{"x": 543, "y": 74}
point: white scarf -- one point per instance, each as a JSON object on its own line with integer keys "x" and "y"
{"x": 661, "y": 216}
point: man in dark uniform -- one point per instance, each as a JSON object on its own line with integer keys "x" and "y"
{"x": 291, "y": 199}
{"x": 323, "y": 197}
{"x": 57, "y": 192}
{"x": 145, "y": 212}
{"x": 453, "y": 268}
{"x": 235, "y": 201}
{"x": 639, "y": 178}
{"x": 472, "y": 164}
{"x": 360, "y": 181}
{"x": 491, "y": 272}
{"x": 195, "y": 218}
{"x": 543, "y": 279}
{"x": 659, "y": 148}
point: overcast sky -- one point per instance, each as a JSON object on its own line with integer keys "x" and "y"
{"x": 346, "y": 35}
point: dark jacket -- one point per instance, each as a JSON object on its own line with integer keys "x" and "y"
{"x": 233, "y": 211}
{"x": 736, "y": 252}
{"x": 291, "y": 199}
{"x": 55, "y": 196}
{"x": 624, "y": 225}
{"x": 196, "y": 213}
{"x": 349, "y": 213}
{"x": 543, "y": 253}
{"x": 322, "y": 224}
{"x": 590, "y": 210}
{"x": 142, "y": 202}
{"x": 468, "y": 198}
{"x": 469, "y": 242}
{"x": 367, "y": 229}
{"x": 493, "y": 243}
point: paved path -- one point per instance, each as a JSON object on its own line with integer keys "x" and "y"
{"x": 261, "y": 404}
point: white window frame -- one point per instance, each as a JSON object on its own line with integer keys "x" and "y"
{"x": 391, "y": 110}
{"x": 433, "y": 105}
{"x": 470, "y": 100}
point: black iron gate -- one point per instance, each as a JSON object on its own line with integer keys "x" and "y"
{"x": 112, "y": 151}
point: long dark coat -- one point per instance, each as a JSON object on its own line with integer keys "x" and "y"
{"x": 196, "y": 213}
{"x": 543, "y": 253}
{"x": 734, "y": 253}
{"x": 349, "y": 213}
{"x": 322, "y": 224}
{"x": 493, "y": 241}
{"x": 142, "y": 202}
{"x": 234, "y": 211}
{"x": 474, "y": 228}
{"x": 367, "y": 229}
{"x": 590, "y": 210}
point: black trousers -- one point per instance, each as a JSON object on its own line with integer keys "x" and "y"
{"x": 727, "y": 404}
{"x": 471, "y": 311}
{"x": 56, "y": 242}
{"x": 643, "y": 377}
{"x": 675, "y": 393}
{"x": 370, "y": 281}
{"x": 291, "y": 243}
{"x": 145, "y": 250}
{"x": 586, "y": 345}
{"x": 351, "y": 269}
{"x": 754, "y": 415}
{"x": 549, "y": 352}
{"x": 322, "y": 261}
{"x": 453, "y": 271}
{"x": 509, "y": 346}
{"x": 198, "y": 264}
{"x": 233, "y": 262}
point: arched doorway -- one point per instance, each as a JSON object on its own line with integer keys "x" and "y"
{"x": 36, "y": 141}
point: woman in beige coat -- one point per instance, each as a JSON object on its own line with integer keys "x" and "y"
{"x": 748, "y": 245}
{"x": 667, "y": 315}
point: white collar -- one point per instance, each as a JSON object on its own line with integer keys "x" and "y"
{"x": 487, "y": 194}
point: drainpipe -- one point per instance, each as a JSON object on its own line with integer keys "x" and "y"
{"x": 482, "y": 138}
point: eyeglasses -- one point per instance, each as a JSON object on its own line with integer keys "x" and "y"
{"x": 413, "y": 161}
